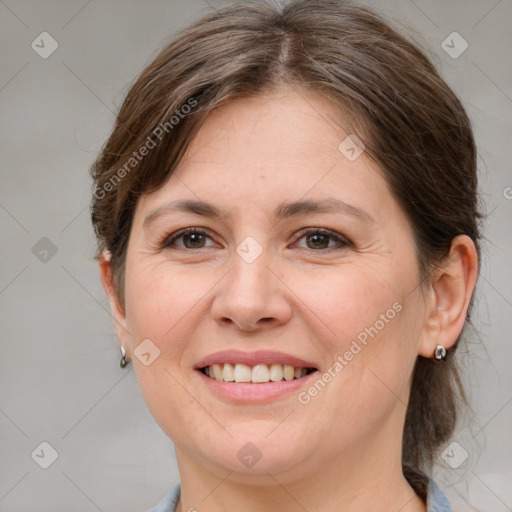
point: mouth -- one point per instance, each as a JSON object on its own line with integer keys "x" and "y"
{"x": 259, "y": 373}
{"x": 254, "y": 377}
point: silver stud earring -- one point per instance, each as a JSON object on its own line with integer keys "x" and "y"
{"x": 123, "y": 361}
{"x": 440, "y": 352}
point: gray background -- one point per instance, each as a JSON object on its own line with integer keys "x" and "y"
{"x": 60, "y": 380}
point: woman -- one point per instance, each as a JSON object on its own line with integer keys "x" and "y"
{"x": 288, "y": 234}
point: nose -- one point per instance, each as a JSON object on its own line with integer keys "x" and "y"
{"x": 252, "y": 296}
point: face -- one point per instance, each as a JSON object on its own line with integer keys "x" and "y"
{"x": 263, "y": 285}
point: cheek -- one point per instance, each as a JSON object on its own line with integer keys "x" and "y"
{"x": 159, "y": 300}
{"x": 347, "y": 301}
{"x": 365, "y": 320}
{"x": 161, "y": 306}
{"x": 175, "y": 411}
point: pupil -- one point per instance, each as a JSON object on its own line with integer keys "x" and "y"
{"x": 316, "y": 237}
{"x": 192, "y": 235}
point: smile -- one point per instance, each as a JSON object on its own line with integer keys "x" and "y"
{"x": 254, "y": 377}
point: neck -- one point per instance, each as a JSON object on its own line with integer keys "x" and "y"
{"x": 361, "y": 478}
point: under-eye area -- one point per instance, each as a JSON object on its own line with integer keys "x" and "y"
{"x": 259, "y": 373}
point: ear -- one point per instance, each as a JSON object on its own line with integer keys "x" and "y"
{"x": 452, "y": 288}
{"x": 118, "y": 312}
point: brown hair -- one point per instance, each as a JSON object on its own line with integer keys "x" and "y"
{"x": 412, "y": 124}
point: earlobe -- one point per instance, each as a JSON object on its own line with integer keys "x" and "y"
{"x": 452, "y": 289}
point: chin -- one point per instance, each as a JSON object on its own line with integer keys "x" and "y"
{"x": 252, "y": 457}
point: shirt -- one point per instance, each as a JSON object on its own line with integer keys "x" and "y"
{"x": 436, "y": 500}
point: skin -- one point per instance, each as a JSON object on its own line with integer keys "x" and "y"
{"x": 342, "y": 450}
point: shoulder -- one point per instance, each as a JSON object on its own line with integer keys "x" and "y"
{"x": 169, "y": 501}
{"x": 436, "y": 500}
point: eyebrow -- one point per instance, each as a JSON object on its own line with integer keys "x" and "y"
{"x": 283, "y": 211}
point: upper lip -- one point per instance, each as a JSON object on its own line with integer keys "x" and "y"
{"x": 254, "y": 358}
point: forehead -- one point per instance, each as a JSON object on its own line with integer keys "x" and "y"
{"x": 284, "y": 125}
{"x": 272, "y": 149}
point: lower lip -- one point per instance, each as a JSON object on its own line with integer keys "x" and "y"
{"x": 247, "y": 392}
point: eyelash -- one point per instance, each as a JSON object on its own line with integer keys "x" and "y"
{"x": 168, "y": 241}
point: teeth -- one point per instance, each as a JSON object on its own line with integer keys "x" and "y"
{"x": 228, "y": 373}
{"x": 217, "y": 372}
{"x": 276, "y": 372}
{"x": 259, "y": 373}
{"x": 242, "y": 373}
{"x": 288, "y": 372}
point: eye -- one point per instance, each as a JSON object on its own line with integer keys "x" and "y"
{"x": 193, "y": 238}
{"x": 320, "y": 238}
